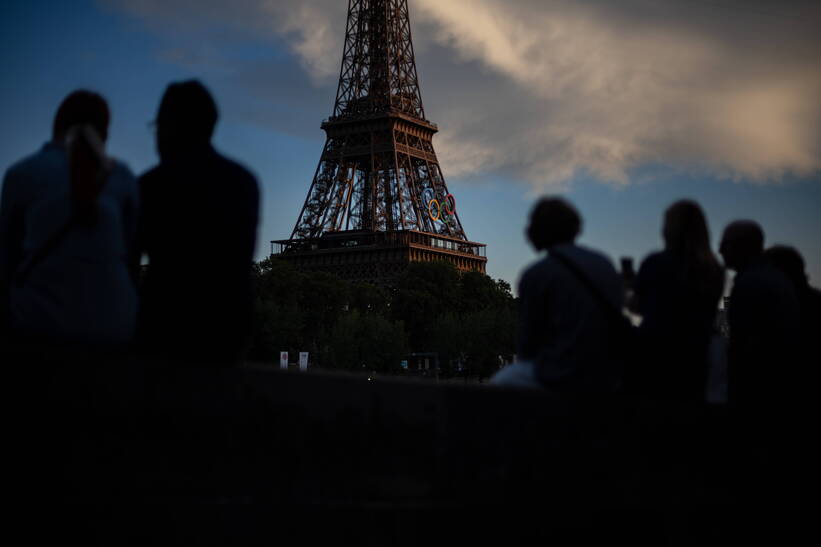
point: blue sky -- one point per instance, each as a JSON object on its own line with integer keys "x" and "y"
{"x": 273, "y": 92}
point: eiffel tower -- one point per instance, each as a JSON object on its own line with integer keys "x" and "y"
{"x": 378, "y": 200}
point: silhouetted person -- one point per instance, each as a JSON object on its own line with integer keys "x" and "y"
{"x": 763, "y": 317}
{"x": 68, "y": 223}
{"x": 790, "y": 262}
{"x": 677, "y": 293}
{"x": 198, "y": 229}
{"x": 568, "y": 301}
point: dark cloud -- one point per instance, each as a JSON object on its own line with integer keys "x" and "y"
{"x": 545, "y": 90}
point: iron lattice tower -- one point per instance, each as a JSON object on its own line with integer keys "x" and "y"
{"x": 378, "y": 185}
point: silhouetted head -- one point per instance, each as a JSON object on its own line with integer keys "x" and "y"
{"x": 685, "y": 227}
{"x": 790, "y": 262}
{"x": 686, "y": 235}
{"x": 81, "y": 107}
{"x": 553, "y": 221}
{"x": 186, "y": 118}
{"x": 81, "y": 124}
{"x": 741, "y": 244}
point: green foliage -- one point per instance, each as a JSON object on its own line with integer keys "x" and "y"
{"x": 367, "y": 342}
{"x": 426, "y": 291}
{"x": 467, "y": 319}
{"x": 280, "y": 319}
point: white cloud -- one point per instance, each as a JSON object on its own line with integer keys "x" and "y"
{"x": 547, "y": 90}
{"x": 311, "y": 33}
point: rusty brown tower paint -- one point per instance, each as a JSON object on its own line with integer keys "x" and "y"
{"x": 378, "y": 199}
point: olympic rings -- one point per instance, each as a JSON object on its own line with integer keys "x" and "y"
{"x": 427, "y": 195}
{"x": 438, "y": 210}
{"x": 449, "y": 201}
{"x": 441, "y": 208}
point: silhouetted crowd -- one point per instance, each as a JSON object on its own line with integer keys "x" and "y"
{"x": 576, "y": 338}
{"x": 75, "y": 225}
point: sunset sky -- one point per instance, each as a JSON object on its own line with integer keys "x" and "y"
{"x": 622, "y": 106}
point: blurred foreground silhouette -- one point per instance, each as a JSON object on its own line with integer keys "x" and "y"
{"x": 199, "y": 213}
{"x": 68, "y": 221}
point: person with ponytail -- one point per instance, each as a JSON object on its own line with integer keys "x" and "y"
{"x": 68, "y": 220}
{"x": 677, "y": 292}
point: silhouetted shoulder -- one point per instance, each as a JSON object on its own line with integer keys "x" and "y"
{"x": 238, "y": 173}
{"x": 596, "y": 265}
{"x": 763, "y": 299}
{"x": 763, "y": 276}
{"x": 534, "y": 269}
{"x": 813, "y": 302}
{"x": 51, "y": 156}
{"x": 122, "y": 177}
{"x": 655, "y": 260}
{"x": 595, "y": 257}
{"x": 36, "y": 164}
{"x": 532, "y": 275}
{"x": 22, "y": 166}
{"x": 234, "y": 165}
{"x": 655, "y": 265}
{"x": 47, "y": 168}
{"x": 213, "y": 166}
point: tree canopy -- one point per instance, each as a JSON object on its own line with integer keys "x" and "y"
{"x": 467, "y": 320}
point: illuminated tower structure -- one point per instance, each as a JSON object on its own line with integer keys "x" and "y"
{"x": 378, "y": 200}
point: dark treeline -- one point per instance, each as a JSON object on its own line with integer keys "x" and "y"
{"x": 467, "y": 320}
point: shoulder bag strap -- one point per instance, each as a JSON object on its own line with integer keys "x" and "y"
{"x": 45, "y": 249}
{"x": 92, "y": 139}
{"x": 605, "y": 303}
